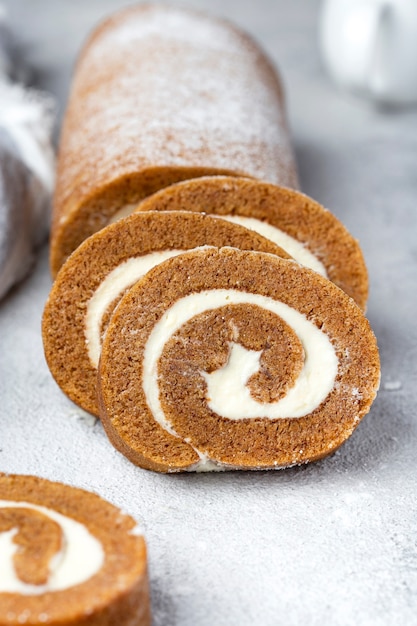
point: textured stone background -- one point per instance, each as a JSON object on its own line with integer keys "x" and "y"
{"x": 332, "y": 543}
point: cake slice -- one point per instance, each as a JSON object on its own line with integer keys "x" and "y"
{"x": 231, "y": 359}
{"x": 96, "y": 275}
{"x": 68, "y": 557}
{"x": 310, "y": 233}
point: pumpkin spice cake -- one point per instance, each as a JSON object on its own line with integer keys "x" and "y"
{"x": 230, "y": 359}
{"x": 310, "y": 233}
{"x": 68, "y": 557}
{"x": 96, "y": 275}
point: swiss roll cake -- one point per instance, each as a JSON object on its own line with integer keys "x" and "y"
{"x": 228, "y": 359}
{"x": 97, "y": 274}
{"x": 310, "y": 233}
{"x": 68, "y": 557}
{"x": 208, "y": 312}
{"x": 162, "y": 94}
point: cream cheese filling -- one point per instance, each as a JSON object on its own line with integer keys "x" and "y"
{"x": 80, "y": 558}
{"x": 123, "y": 276}
{"x": 295, "y": 248}
{"x": 124, "y": 211}
{"x": 227, "y": 393}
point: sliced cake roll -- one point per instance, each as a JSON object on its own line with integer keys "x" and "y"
{"x": 96, "y": 275}
{"x": 310, "y": 233}
{"x": 230, "y": 359}
{"x": 68, "y": 557}
{"x": 162, "y": 94}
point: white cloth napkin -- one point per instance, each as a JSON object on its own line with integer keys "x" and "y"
{"x": 26, "y": 167}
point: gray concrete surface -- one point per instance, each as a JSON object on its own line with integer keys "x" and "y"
{"x": 331, "y": 543}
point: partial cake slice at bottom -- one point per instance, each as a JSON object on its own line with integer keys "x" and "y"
{"x": 68, "y": 557}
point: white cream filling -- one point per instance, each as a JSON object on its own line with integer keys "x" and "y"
{"x": 205, "y": 464}
{"x": 227, "y": 394}
{"x": 295, "y": 248}
{"x": 124, "y": 211}
{"x": 80, "y": 558}
{"x": 227, "y": 387}
{"x": 123, "y": 276}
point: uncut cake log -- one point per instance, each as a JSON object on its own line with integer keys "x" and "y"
{"x": 160, "y": 95}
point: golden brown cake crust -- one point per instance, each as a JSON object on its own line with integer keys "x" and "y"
{"x": 247, "y": 443}
{"x": 291, "y": 211}
{"x": 117, "y": 594}
{"x": 135, "y": 236}
{"x": 163, "y": 94}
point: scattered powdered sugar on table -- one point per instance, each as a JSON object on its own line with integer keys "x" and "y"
{"x": 392, "y": 385}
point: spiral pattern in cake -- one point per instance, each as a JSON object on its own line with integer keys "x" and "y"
{"x": 68, "y": 557}
{"x": 91, "y": 282}
{"x": 234, "y": 359}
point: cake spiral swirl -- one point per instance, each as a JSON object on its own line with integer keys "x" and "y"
{"x": 234, "y": 359}
{"x": 92, "y": 281}
{"x": 68, "y": 557}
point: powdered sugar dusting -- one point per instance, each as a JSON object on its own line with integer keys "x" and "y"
{"x": 173, "y": 88}
{"x": 177, "y": 25}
